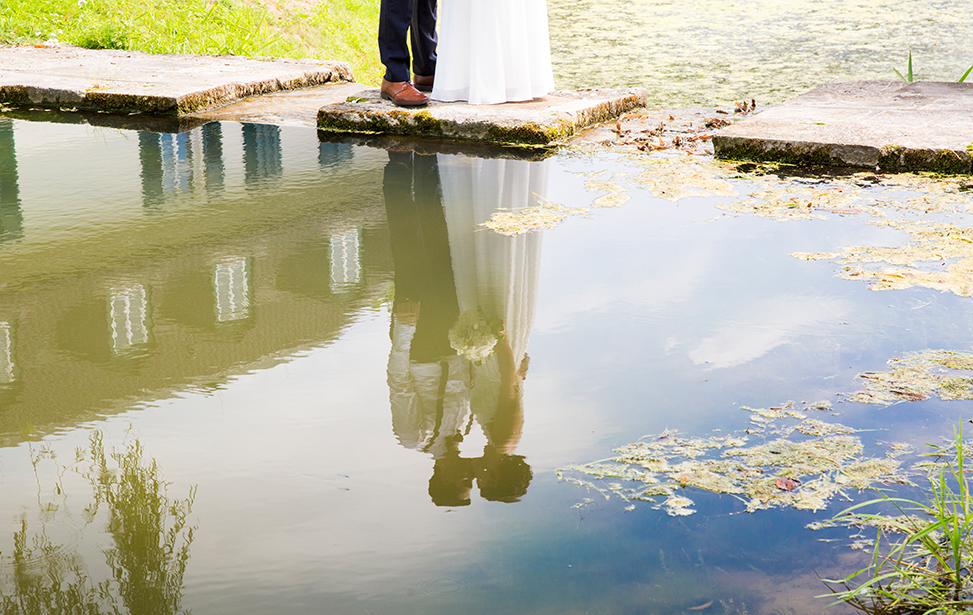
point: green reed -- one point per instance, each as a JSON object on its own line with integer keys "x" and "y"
{"x": 925, "y": 564}
{"x": 910, "y": 77}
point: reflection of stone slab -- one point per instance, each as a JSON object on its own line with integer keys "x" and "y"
{"x": 893, "y": 125}
{"x": 70, "y": 77}
{"x": 121, "y": 121}
{"x": 540, "y": 122}
{"x": 431, "y": 145}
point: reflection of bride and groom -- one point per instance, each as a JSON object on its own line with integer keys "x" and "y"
{"x": 463, "y": 310}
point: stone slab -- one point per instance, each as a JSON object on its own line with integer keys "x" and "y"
{"x": 284, "y": 108}
{"x": 541, "y": 122}
{"x": 68, "y": 77}
{"x": 890, "y": 125}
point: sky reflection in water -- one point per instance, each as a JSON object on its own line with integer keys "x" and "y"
{"x": 270, "y": 318}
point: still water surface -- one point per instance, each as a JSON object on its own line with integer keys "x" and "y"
{"x": 268, "y": 318}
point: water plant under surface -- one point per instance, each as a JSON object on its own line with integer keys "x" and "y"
{"x": 928, "y": 566}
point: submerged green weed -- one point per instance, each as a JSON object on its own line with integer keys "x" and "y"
{"x": 928, "y": 567}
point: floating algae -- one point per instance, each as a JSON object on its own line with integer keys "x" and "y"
{"x": 616, "y": 196}
{"x": 814, "y": 427}
{"x": 946, "y": 246}
{"x": 919, "y": 376}
{"x": 602, "y": 186}
{"x": 612, "y": 199}
{"x": 784, "y": 472}
{"x": 765, "y": 415}
{"x": 545, "y": 216}
{"x": 672, "y": 169}
{"x": 676, "y": 178}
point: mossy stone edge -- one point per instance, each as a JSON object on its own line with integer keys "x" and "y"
{"x": 358, "y": 118}
{"x": 107, "y": 101}
{"x": 892, "y": 158}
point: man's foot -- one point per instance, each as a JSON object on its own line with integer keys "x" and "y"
{"x": 423, "y": 83}
{"x": 403, "y": 94}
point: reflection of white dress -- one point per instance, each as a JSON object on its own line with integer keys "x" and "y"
{"x": 415, "y": 390}
{"x": 493, "y": 51}
{"x": 494, "y": 273}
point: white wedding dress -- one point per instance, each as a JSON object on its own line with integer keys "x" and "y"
{"x": 493, "y": 51}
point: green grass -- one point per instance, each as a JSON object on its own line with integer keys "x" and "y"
{"x": 343, "y": 30}
{"x": 928, "y": 566}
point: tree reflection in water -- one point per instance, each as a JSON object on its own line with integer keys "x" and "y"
{"x": 150, "y": 536}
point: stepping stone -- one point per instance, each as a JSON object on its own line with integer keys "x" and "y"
{"x": 68, "y": 77}
{"x": 541, "y": 122}
{"x": 888, "y": 125}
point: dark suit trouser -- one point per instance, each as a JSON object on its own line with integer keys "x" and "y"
{"x": 399, "y": 22}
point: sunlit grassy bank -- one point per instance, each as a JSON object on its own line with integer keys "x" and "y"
{"x": 332, "y": 29}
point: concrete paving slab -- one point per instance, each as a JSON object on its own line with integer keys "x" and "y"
{"x": 285, "y": 108}
{"x": 68, "y": 77}
{"x": 291, "y": 107}
{"x": 538, "y": 123}
{"x": 890, "y": 125}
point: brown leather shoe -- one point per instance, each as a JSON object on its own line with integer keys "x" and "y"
{"x": 423, "y": 83}
{"x": 403, "y": 94}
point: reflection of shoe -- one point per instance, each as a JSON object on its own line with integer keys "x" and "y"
{"x": 403, "y": 94}
{"x": 423, "y": 83}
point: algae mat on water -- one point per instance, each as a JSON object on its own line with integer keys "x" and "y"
{"x": 711, "y": 51}
{"x": 799, "y": 462}
{"x": 807, "y": 463}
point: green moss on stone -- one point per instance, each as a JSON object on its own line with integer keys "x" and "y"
{"x": 366, "y": 123}
{"x": 918, "y": 159}
{"x": 890, "y": 157}
{"x": 14, "y": 94}
{"x": 529, "y": 133}
{"x": 732, "y": 148}
{"x": 129, "y": 103}
{"x": 427, "y": 125}
{"x": 951, "y": 163}
{"x": 899, "y": 158}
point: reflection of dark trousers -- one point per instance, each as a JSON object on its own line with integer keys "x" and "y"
{"x": 420, "y": 251}
{"x": 398, "y": 22}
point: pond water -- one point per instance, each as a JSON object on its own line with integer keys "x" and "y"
{"x": 715, "y": 52}
{"x": 227, "y": 383}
